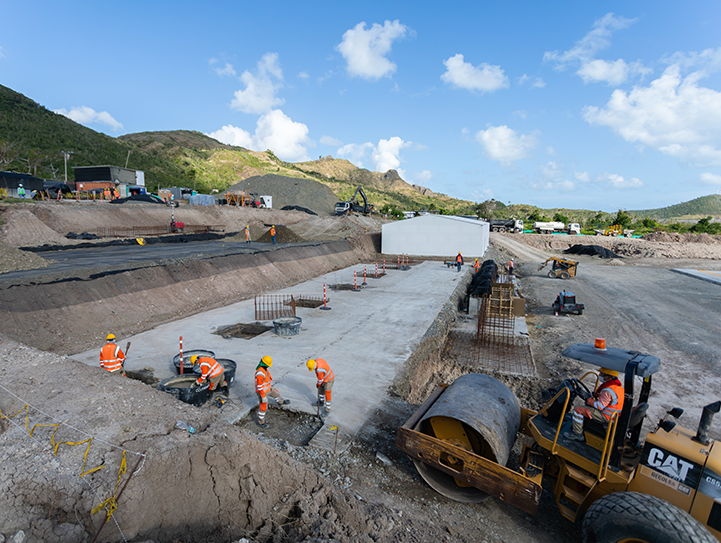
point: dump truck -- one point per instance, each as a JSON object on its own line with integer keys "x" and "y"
{"x": 560, "y": 267}
{"x": 513, "y": 226}
{"x": 666, "y": 488}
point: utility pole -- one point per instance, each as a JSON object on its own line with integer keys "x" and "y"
{"x": 66, "y": 156}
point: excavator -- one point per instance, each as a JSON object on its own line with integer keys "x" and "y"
{"x": 353, "y": 206}
{"x": 665, "y": 488}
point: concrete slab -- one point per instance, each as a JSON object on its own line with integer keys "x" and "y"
{"x": 704, "y": 275}
{"x": 366, "y": 337}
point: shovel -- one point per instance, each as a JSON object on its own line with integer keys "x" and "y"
{"x": 127, "y": 348}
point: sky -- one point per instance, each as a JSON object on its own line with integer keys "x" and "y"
{"x": 592, "y": 105}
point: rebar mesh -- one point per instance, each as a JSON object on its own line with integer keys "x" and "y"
{"x": 272, "y": 306}
{"x": 145, "y": 231}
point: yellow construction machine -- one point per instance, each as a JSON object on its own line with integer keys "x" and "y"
{"x": 560, "y": 267}
{"x": 664, "y": 489}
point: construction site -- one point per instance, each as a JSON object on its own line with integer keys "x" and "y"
{"x": 441, "y": 376}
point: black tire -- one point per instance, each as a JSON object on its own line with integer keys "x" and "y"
{"x": 565, "y": 275}
{"x": 552, "y": 274}
{"x": 640, "y": 517}
{"x": 580, "y": 311}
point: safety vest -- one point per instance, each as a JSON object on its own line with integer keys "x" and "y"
{"x": 616, "y": 391}
{"x": 477, "y": 265}
{"x": 247, "y": 234}
{"x": 209, "y": 367}
{"x": 323, "y": 371}
{"x": 272, "y": 231}
{"x": 111, "y": 357}
{"x": 459, "y": 259}
{"x": 262, "y": 381}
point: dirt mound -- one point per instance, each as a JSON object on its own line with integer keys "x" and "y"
{"x": 291, "y": 191}
{"x": 283, "y": 235}
{"x": 675, "y": 237}
{"x": 13, "y": 259}
{"x": 335, "y": 228}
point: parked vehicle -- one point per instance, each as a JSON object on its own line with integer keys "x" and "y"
{"x": 506, "y": 225}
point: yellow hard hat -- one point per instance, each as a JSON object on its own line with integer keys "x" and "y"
{"x": 110, "y": 336}
{"x": 194, "y": 358}
{"x": 267, "y": 360}
{"x": 608, "y": 372}
{"x": 247, "y": 226}
{"x": 310, "y": 364}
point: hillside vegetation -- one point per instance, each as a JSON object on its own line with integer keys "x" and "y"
{"x": 32, "y": 139}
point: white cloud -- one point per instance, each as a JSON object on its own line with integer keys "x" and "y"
{"x": 597, "y": 70}
{"x": 504, "y": 145}
{"x": 386, "y": 155}
{"x": 481, "y": 195}
{"x": 328, "y": 140}
{"x": 552, "y": 177}
{"x": 225, "y": 71}
{"x": 534, "y": 82}
{"x": 303, "y": 75}
{"x": 618, "y": 182}
{"x": 275, "y": 131}
{"x": 673, "y": 114}
{"x": 355, "y": 152}
{"x": 232, "y": 135}
{"x": 2, "y": 52}
{"x": 422, "y": 177}
{"x": 593, "y": 42}
{"x": 521, "y": 113}
{"x": 365, "y": 50}
{"x": 259, "y": 94}
{"x": 710, "y": 179}
{"x": 550, "y": 151}
{"x": 483, "y": 78}
{"x": 583, "y": 177}
{"x": 86, "y": 115}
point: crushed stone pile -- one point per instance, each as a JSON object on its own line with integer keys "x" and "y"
{"x": 290, "y": 191}
{"x": 593, "y": 250}
{"x": 13, "y": 259}
{"x": 283, "y": 235}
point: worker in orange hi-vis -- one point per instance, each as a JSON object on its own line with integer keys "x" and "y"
{"x": 459, "y": 261}
{"x": 111, "y": 355}
{"x": 116, "y": 194}
{"x": 272, "y": 233}
{"x": 263, "y": 388}
{"x": 476, "y": 265}
{"x": 325, "y": 377}
{"x": 247, "y": 233}
{"x": 211, "y": 370}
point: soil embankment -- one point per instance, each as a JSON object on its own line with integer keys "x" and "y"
{"x": 71, "y": 314}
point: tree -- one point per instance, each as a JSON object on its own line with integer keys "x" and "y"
{"x": 558, "y": 217}
{"x": 485, "y": 209}
{"x": 535, "y": 216}
{"x": 648, "y": 222}
{"x": 702, "y": 225}
{"x": 8, "y": 152}
{"x": 622, "y": 218}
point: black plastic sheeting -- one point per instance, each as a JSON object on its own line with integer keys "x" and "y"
{"x": 182, "y": 238}
{"x": 299, "y": 208}
{"x": 140, "y": 198}
{"x": 483, "y": 279}
{"x": 84, "y": 235}
{"x": 593, "y": 250}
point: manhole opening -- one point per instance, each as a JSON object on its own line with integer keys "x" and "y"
{"x": 242, "y": 330}
{"x": 295, "y": 428}
{"x": 311, "y": 302}
{"x": 343, "y": 286}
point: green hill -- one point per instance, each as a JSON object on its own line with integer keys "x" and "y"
{"x": 698, "y": 208}
{"x": 32, "y": 139}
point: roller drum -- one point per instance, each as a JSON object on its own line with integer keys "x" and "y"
{"x": 478, "y": 413}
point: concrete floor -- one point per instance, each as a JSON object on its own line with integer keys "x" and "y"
{"x": 366, "y": 337}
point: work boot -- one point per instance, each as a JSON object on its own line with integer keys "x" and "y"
{"x": 318, "y": 403}
{"x": 263, "y": 425}
{"x": 573, "y": 436}
{"x": 283, "y": 402}
{"x": 226, "y": 391}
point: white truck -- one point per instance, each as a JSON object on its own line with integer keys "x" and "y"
{"x": 548, "y": 227}
{"x": 574, "y": 228}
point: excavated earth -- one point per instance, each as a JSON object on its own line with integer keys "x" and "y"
{"x": 228, "y": 483}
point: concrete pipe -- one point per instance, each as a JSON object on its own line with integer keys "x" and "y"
{"x": 477, "y": 413}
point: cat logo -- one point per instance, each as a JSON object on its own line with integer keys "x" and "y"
{"x": 667, "y": 463}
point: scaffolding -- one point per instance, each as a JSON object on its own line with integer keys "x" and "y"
{"x": 272, "y": 306}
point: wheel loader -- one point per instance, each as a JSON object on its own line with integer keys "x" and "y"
{"x": 666, "y": 488}
{"x": 560, "y": 267}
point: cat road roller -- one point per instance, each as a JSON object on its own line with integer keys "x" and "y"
{"x": 664, "y": 489}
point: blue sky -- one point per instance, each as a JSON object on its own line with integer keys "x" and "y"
{"x": 595, "y": 105}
